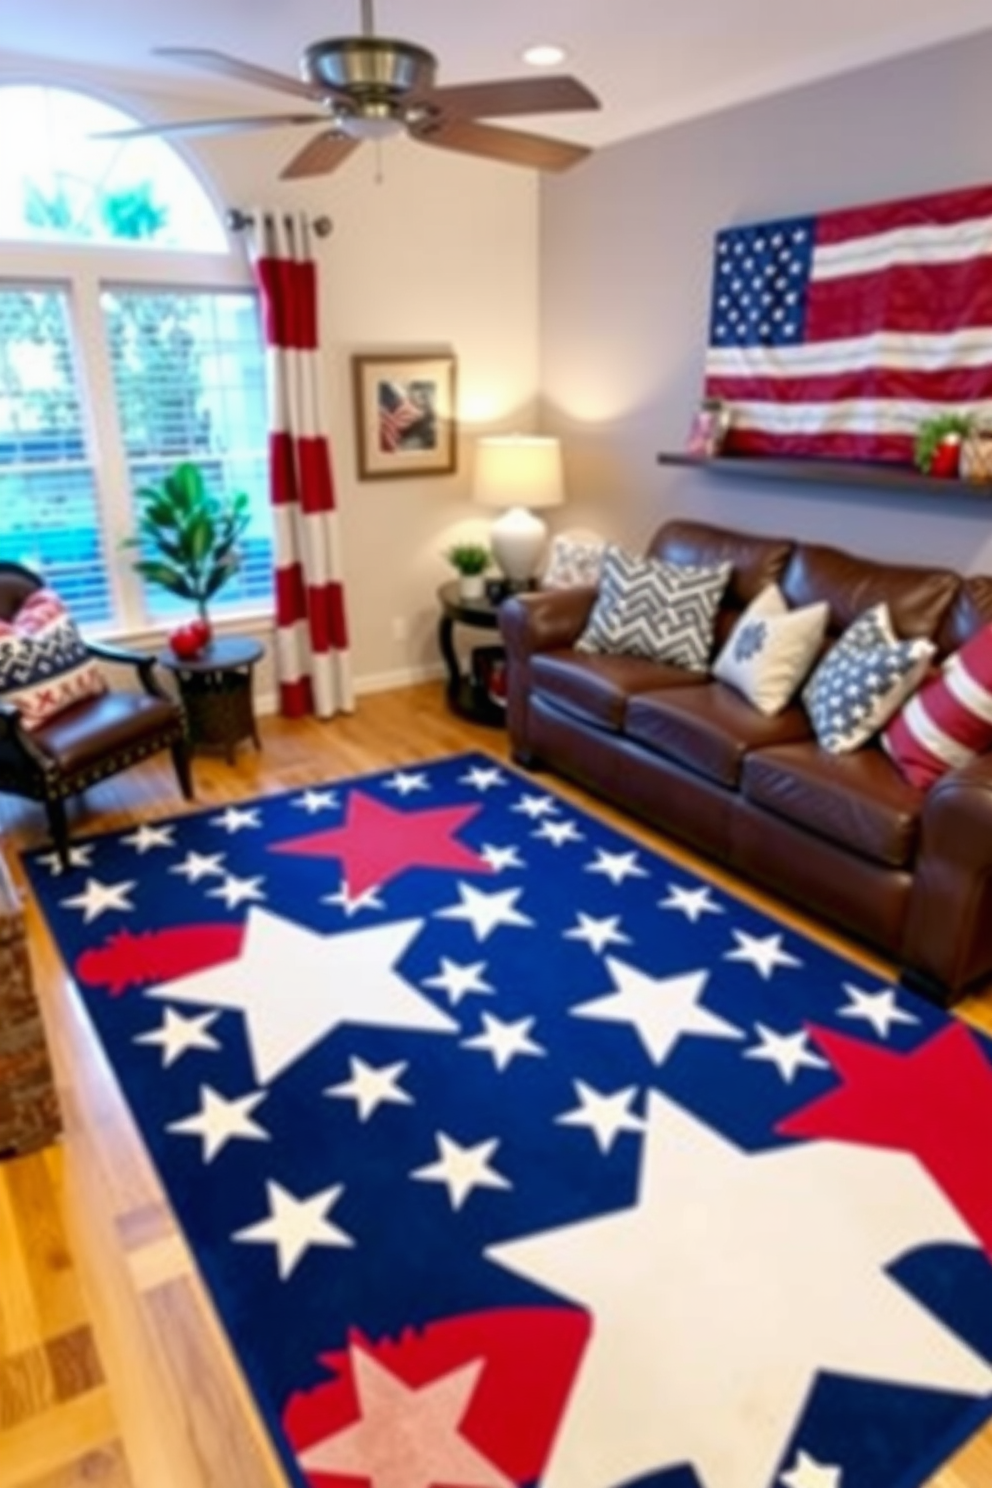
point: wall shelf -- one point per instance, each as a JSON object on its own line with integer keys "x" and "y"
{"x": 830, "y": 473}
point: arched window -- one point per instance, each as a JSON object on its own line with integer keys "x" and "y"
{"x": 129, "y": 341}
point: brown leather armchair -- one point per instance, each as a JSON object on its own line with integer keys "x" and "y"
{"x": 92, "y": 739}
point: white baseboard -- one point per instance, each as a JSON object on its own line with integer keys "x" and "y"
{"x": 267, "y": 703}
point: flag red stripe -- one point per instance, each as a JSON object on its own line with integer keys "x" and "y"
{"x": 942, "y": 209}
{"x": 926, "y": 298}
{"x": 955, "y": 385}
{"x": 891, "y": 448}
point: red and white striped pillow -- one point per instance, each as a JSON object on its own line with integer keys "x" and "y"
{"x": 949, "y": 720}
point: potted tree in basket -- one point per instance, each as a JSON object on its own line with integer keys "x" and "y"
{"x": 470, "y": 560}
{"x": 188, "y": 541}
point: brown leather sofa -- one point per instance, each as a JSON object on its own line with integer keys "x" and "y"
{"x": 844, "y": 836}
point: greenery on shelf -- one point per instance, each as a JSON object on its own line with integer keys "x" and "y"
{"x": 187, "y": 536}
{"x": 932, "y": 432}
{"x": 469, "y": 558}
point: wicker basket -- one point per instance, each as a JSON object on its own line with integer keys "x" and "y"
{"x": 29, "y": 1113}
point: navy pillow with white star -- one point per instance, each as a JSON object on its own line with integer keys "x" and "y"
{"x": 863, "y": 680}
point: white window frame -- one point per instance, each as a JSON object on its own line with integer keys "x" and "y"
{"x": 83, "y": 271}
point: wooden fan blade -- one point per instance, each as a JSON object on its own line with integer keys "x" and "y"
{"x": 239, "y": 125}
{"x": 320, "y": 156}
{"x": 510, "y": 145}
{"x": 247, "y": 72}
{"x": 545, "y": 95}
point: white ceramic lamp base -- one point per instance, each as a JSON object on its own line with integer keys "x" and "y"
{"x": 518, "y": 540}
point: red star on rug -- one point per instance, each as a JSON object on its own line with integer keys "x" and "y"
{"x": 378, "y": 843}
{"x": 934, "y": 1102}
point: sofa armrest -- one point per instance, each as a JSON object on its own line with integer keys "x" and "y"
{"x": 544, "y": 621}
{"x": 548, "y": 620}
{"x": 949, "y": 924}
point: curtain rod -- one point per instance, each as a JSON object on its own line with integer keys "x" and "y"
{"x": 237, "y": 221}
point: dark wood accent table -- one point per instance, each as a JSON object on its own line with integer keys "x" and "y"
{"x": 466, "y": 696}
{"x": 216, "y": 690}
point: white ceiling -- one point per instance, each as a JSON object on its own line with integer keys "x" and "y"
{"x": 651, "y": 62}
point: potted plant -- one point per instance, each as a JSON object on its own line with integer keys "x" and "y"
{"x": 188, "y": 539}
{"x": 938, "y": 443}
{"x": 470, "y": 560}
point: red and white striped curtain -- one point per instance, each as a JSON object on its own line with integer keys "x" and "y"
{"x": 313, "y": 663}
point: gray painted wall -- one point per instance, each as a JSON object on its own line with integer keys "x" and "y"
{"x": 626, "y": 242}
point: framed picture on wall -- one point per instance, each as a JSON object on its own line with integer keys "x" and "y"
{"x": 709, "y": 429}
{"x": 405, "y": 415}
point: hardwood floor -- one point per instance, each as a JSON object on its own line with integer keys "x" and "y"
{"x": 113, "y": 1370}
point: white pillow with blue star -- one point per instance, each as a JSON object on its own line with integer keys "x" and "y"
{"x": 771, "y": 649}
{"x": 863, "y": 680}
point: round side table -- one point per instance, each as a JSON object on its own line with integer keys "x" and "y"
{"x": 466, "y": 693}
{"x": 216, "y": 691}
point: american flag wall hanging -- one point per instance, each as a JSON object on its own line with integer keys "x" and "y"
{"x": 834, "y": 336}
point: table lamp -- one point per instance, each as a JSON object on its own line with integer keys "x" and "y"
{"x": 518, "y": 472}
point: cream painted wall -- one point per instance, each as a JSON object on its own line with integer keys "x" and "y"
{"x": 429, "y": 250}
{"x": 625, "y": 258}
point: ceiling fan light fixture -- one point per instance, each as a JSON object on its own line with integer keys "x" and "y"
{"x": 369, "y": 65}
{"x": 544, "y": 54}
{"x": 377, "y": 122}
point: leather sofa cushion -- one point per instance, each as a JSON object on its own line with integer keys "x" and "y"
{"x": 918, "y": 598}
{"x": 597, "y": 687}
{"x": 709, "y": 729}
{"x": 857, "y": 800}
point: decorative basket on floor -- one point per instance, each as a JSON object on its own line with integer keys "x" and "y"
{"x": 29, "y": 1113}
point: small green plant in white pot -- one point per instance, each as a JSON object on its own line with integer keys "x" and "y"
{"x": 470, "y": 561}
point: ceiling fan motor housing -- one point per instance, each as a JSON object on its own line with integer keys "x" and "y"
{"x": 369, "y": 69}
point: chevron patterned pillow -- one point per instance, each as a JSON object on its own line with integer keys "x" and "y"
{"x": 44, "y": 663}
{"x": 664, "y": 611}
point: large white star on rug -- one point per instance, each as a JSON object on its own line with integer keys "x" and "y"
{"x": 486, "y": 912}
{"x": 98, "y": 898}
{"x": 220, "y": 1119}
{"x": 406, "y": 1436}
{"x": 295, "y": 986}
{"x": 462, "y": 1169}
{"x": 743, "y": 1276}
{"x": 293, "y": 1225}
{"x": 659, "y": 1009}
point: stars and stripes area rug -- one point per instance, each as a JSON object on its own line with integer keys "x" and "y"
{"x": 514, "y": 1154}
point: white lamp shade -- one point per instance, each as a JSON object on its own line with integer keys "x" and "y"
{"x": 518, "y": 472}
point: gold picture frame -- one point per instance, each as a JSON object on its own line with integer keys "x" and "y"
{"x": 405, "y": 423}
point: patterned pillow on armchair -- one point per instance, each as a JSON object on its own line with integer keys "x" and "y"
{"x": 44, "y": 664}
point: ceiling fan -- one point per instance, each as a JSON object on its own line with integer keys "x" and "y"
{"x": 369, "y": 87}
